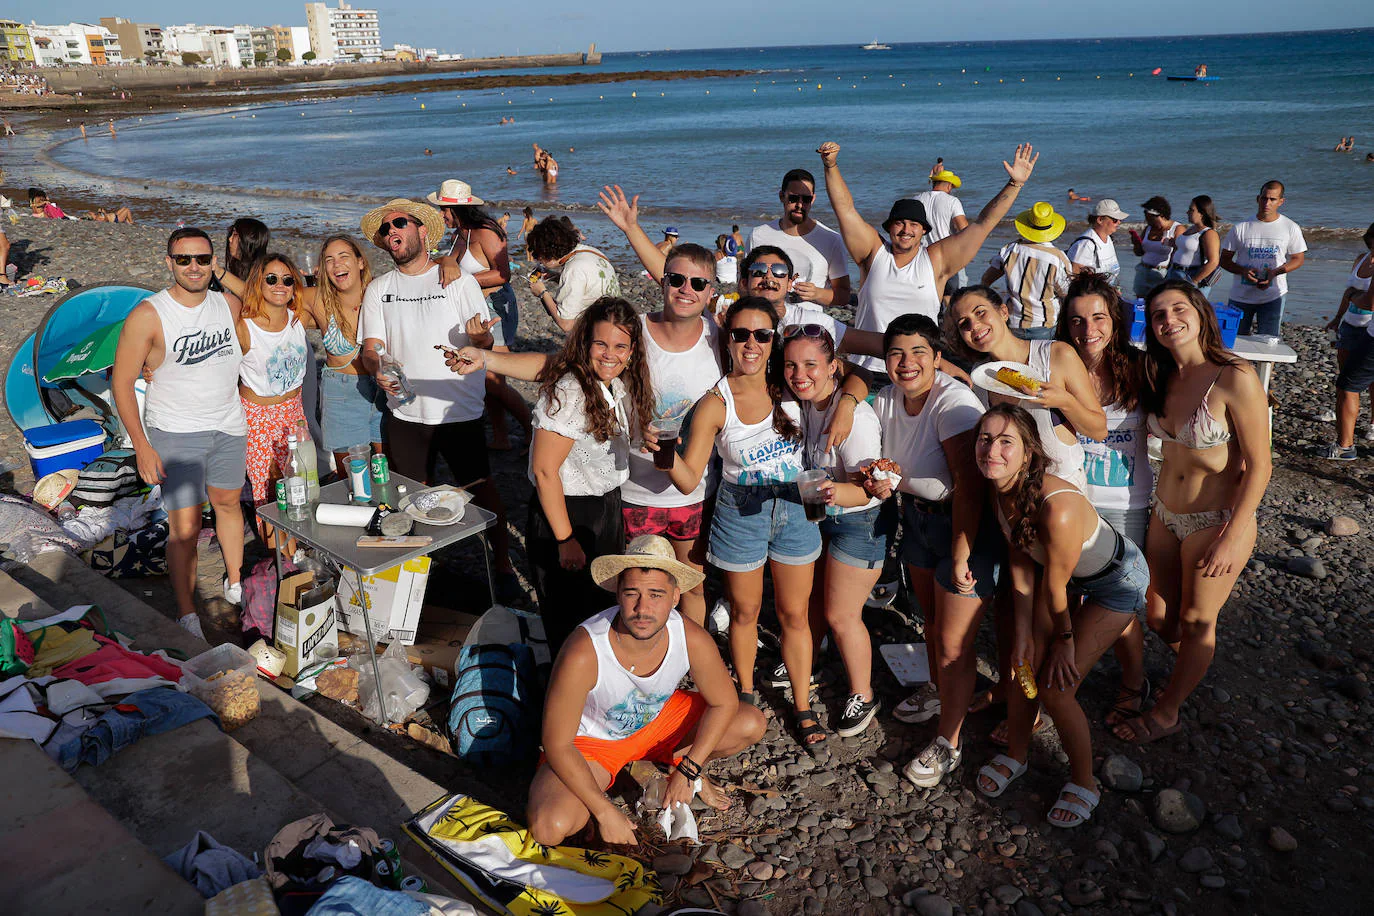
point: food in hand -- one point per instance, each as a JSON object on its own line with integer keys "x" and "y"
{"x": 884, "y": 469}
{"x": 1019, "y": 380}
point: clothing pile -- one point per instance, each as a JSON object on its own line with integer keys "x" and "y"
{"x": 119, "y": 523}
{"x": 39, "y": 286}
{"x": 27, "y": 531}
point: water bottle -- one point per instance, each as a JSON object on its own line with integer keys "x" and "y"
{"x": 311, "y": 459}
{"x": 297, "y": 490}
{"x": 390, "y": 367}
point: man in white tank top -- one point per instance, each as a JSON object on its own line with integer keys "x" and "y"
{"x": 193, "y": 443}
{"x": 901, "y": 276}
{"x": 613, "y": 699}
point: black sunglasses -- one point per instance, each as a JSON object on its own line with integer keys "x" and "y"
{"x": 676, "y": 280}
{"x": 762, "y": 335}
{"x": 184, "y": 260}
{"x": 794, "y": 331}
{"x": 780, "y": 271}
{"x": 285, "y": 280}
{"x": 398, "y": 223}
{"x": 800, "y": 198}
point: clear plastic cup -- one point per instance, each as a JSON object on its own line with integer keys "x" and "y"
{"x": 812, "y": 497}
{"x": 666, "y": 430}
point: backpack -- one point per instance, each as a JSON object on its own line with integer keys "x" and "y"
{"x": 494, "y": 716}
{"x": 111, "y": 477}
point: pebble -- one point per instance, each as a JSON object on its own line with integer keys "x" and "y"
{"x": 733, "y": 856}
{"x": 1228, "y": 825}
{"x": 759, "y": 871}
{"x": 1082, "y": 892}
{"x": 1197, "y": 859}
{"x": 1007, "y": 894}
{"x": 1122, "y": 774}
{"x": 932, "y": 905}
{"x": 1154, "y": 845}
{"x": 1308, "y": 567}
{"x": 1177, "y": 811}
{"x": 1281, "y": 840}
{"x": 673, "y": 863}
{"x": 810, "y": 905}
{"x": 1212, "y": 882}
{"x": 875, "y": 888}
{"x": 1342, "y": 526}
{"x": 751, "y": 908}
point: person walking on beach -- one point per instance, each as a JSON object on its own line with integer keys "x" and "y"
{"x": 527, "y": 222}
{"x": 816, "y": 251}
{"x": 83, "y": 129}
{"x": 946, "y": 215}
{"x": 1261, "y": 252}
{"x": 195, "y": 442}
{"x": 1037, "y": 272}
{"x": 1093, "y": 251}
{"x": 1352, "y": 320}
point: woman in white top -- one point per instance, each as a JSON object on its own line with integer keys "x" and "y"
{"x": 1197, "y": 249}
{"x": 1056, "y": 543}
{"x": 1351, "y": 323}
{"x": 1156, "y": 248}
{"x": 594, "y": 400}
{"x": 758, "y": 517}
{"x": 727, "y": 265}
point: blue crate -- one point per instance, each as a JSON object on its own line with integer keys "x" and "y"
{"x": 1228, "y": 319}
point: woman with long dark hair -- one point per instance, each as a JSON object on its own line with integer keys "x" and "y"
{"x": 1197, "y": 249}
{"x": 244, "y": 244}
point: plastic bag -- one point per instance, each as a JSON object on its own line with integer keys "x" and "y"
{"x": 403, "y": 690}
{"x": 678, "y": 822}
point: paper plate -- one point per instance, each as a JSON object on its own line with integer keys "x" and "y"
{"x": 420, "y": 505}
{"x": 984, "y": 376}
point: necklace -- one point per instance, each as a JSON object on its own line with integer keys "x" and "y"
{"x": 621, "y": 644}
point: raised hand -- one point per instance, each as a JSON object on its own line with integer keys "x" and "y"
{"x": 622, "y": 212}
{"x": 1022, "y": 164}
{"x": 830, "y": 151}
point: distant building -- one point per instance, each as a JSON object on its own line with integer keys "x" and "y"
{"x": 138, "y": 41}
{"x": 343, "y": 34}
{"x": 294, "y": 39}
{"x": 74, "y": 43}
{"x": 16, "y": 47}
{"x": 265, "y": 43}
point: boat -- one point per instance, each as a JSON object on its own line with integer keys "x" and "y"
{"x": 1193, "y": 79}
{"x": 876, "y": 45}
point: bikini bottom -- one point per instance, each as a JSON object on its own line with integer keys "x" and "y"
{"x": 1182, "y": 524}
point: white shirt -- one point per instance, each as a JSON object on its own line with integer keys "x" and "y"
{"x": 1037, "y": 278}
{"x": 1096, "y": 253}
{"x": 890, "y": 291}
{"x": 1118, "y": 470}
{"x": 592, "y": 468}
{"x": 865, "y": 442}
{"x": 915, "y": 443}
{"x": 941, "y": 208}
{"x": 584, "y": 278}
{"x": 816, "y": 257}
{"x": 412, "y": 314}
{"x": 1262, "y": 245}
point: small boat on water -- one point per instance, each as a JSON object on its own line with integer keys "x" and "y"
{"x": 1193, "y": 79}
{"x": 876, "y": 45}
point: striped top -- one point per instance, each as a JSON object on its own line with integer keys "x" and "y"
{"x": 1037, "y": 278}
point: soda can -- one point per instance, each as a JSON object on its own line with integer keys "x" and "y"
{"x": 381, "y": 469}
{"x": 385, "y": 876}
{"x": 416, "y": 884}
{"x": 281, "y": 497}
{"x": 391, "y": 854}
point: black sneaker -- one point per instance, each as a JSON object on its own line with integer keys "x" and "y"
{"x": 780, "y": 680}
{"x": 858, "y": 712}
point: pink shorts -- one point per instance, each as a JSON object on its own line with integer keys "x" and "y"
{"x": 681, "y": 523}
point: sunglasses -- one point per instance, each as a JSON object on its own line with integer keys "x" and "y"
{"x": 284, "y": 280}
{"x": 398, "y": 224}
{"x": 761, "y": 335}
{"x": 800, "y": 198}
{"x": 184, "y": 260}
{"x": 676, "y": 280}
{"x": 780, "y": 271}
{"x": 793, "y": 331}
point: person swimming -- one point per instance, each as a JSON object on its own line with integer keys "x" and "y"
{"x": 1080, "y": 197}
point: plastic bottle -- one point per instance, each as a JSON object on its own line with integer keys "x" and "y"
{"x": 297, "y": 491}
{"x": 390, "y": 367}
{"x": 311, "y": 459}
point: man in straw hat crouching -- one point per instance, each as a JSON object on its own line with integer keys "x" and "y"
{"x": 613, "y": 699}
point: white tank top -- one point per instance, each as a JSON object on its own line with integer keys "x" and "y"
{"x": 753, "y": 454}
{"x": 275, "y": 362}
{"x": 622, "y": 703}
{"x": 727, "y": 270}
{"x": 468, "y": 263}
{"x": 889, "y": 291}
{"x": 1066, "y": 461}
{"x": 1188, "y": 249}
{"x": 1357, "y": 317}
{"x": 1098, "y": 550}
{"x": 1156, "y": 252}
{"x": 195, "y": 389}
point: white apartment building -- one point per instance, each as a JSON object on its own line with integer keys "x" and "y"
{"x": 344, "y": 33}
{"x": 74, "y": 43}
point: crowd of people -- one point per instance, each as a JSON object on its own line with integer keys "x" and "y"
{"x": 994, "y": 444}
{"x": 19, "y": 82}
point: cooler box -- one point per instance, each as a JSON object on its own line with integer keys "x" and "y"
{"x": 63, "y": 446}
{"x": 1228, "y": 319}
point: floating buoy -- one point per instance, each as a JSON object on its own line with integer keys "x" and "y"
{"x": 1099, "y": 76}
{"x": 987, "y": 69}
{"x": 818, "y": 85}
{"x": 660, "y": 95}
{"x": 1023, "y": 79}
{"x": 634, "y": 95}
{"x": 422, "y": 108}
{"x": 1000, "y": 81}
{"x": 708, "y": 91}
{"x": 1058, "y": 78}
{"x": 1156, "y": 71}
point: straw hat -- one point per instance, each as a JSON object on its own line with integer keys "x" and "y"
{"x": 454, "y": 193}
{"x": 648, "y": 551}
{"x": 1040, "y": 223}
{"x": 946, "y": 175}
{"x": 427, "y": 215}
{"x": 53, "y": 488}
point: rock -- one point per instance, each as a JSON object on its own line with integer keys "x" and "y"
{"x": 1025, "y": 907}
{"x": 1342, "y": 526}
{"x": 673, "y": 863}
{"x": 1281, "y": 840}
{"x": 1006, "y": 894}
{"x": 1308, "y": 567}
{"x": 1082, "y": 892}
{"x": 752, "y": 908}
{"x": 875, "y": 888}
{"x": 1197, "y": 859}
{"x": 758, "y": 806}
{"x": 1352, "y": 687}
{"x": 733, "y": 856}
{"x": 1212, "y": 882}
{"x": 1122, "y": 773}
{"x": 1176, "y": 811}
{"x": 759, "y": 871}
{"x": 933, "y": 905}
{"x": 1228, "y": 825}
{"x": 811, "y": 906}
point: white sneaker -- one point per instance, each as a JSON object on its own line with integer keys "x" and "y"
{"x": 718, "y": 621}
{"x": 1327, "y": 416}
{"x": 1369, "y": 433}
{"x": 191, "y": 624}
{"x": 933, "y": 763}
{"x": 233, "y": 593}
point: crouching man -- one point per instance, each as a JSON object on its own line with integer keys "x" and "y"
{"x": 614, "y": 699}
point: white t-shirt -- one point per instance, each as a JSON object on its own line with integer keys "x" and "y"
{"x": 915, "y": 442}
{"x": 412, "y": 314}
{"x": 1260, "y": 244}
{"x": 592, "y": 468}
{"x": 941, "y": 208}
{"x": 816, "y": 257}
{"x": 1118, "y": 470}
{"x": 1092, "y": 251}
{"x": 797, "y": 313}
{"x": 679, "y": 380}
{"x": 865, "y": 442}
{"x": 584, "y": 278}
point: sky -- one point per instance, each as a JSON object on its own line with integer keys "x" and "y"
{"x": 546, "y": 26}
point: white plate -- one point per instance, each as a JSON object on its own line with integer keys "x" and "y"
{"x": 984, "y": 376}
{"x": 449, "y": 497}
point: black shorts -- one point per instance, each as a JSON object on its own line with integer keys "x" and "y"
{"x": 414, "y": 448}
{"x": 1358, "y": 372}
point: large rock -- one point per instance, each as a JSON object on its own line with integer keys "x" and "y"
{"x": 1342, "y": 526}
{"x": 1197, "y": 859}
{"x": 1281, "y": 840}
{"x": 673, "y": 863}
{"x": 933, "y": 905}
{"x": 1175, "y": 811}
{"x": 1122, "y": 773}
{"x": 1308, "y": 567}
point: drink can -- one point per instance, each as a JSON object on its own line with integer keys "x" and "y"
{"x": 381, "y": 469}
{"x": 391, "y": 854}
{"x": 385, "y": 875}
{"x": 415, "y": 884}
{"x": 281, "y": 495}
{"x": 327, "y": 874}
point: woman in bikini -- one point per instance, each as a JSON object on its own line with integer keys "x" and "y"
{"x": 1210, "y": 411}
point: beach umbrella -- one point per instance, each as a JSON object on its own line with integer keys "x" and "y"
{"x": 93, "y": 354}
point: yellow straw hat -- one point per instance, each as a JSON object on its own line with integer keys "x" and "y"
{"x": 427, "y": 215}
{"x": 1040, "y": 223}
{"x": 648, "y": 551}
{"x": 946, "y": 175}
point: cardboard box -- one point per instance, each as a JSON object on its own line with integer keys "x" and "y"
{"x": 395, "y": 597}
{"x": 306, "y": 630}
{"x": 440, "y": 639}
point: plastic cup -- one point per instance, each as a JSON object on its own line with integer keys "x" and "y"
{"x": 812, "y": 497}
{"x": 666, "y": 431}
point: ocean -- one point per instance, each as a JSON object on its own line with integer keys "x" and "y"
{"x": 708, "y": 153}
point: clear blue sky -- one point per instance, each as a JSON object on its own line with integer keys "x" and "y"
{"x": 533, "y": 26}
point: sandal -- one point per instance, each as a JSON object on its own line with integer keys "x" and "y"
{"x": 999, "y": 732}
{"x": 1147, "y": 730}
{"x": 751, "y": 699}
{"x": 984, "y": 700}
{"x": 806, "y": 732}
{"x": 1075, "y": 801}
{"x": 1001, "y": 780}
{"x": 1120, "y": 712}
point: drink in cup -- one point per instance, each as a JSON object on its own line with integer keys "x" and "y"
{"x": 812, "y": 496}
{"x": 666, "y": 431}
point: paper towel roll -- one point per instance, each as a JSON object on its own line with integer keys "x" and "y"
{"x": 349, "y": 516}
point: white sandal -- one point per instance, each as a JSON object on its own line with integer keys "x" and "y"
{"x": 1002, "y": 781}
{"x": 1080, "y": 803}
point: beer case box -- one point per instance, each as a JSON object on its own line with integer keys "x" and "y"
{"x": 395, "y": 597}
{"x": 307, "y": 631}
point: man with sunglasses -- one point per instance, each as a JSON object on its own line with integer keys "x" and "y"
{"x": 815, "y": 250}
{"x": 195, "y": 439}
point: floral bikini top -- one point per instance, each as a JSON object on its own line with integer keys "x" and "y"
{"x": 1199, "y": 431}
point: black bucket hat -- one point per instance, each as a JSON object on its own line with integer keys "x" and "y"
{"x": 907, "y": 208}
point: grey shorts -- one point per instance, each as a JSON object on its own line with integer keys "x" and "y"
{"x": 193, "y": 461}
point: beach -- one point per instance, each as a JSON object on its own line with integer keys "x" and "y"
{"x": 1275, "y": 762}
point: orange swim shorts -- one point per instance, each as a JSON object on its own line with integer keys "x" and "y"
{"x": 656, "y": 741}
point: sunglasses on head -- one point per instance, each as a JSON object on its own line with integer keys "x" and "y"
{"x": 761, "y": 335}
{"x": 780, "y": 271}
{"x": 793, "y": 331}
{"x": 398, "y": 224}
{"x": 676, "y": 280}
{"x": 184, "y": 260}
{"x": 284, "y": 280}
{"x": 800, "y": 198}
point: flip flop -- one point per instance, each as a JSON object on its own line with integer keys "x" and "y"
{"x": 1001, "y": 780}
{"x": 1147, "y": 731}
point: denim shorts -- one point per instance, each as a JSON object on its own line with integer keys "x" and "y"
{"x": 928, "y": 541}
{"x": 1121, "y": 586}
{"x": 1349, "y": 336}
{"x": 193, "y": 461}
{"x": 1358, "y": 372}
{"x": 502, "y": 304}
{"x": 352, "y": 407}
{"x": 1263, "y": 318}
{"x": 860, "y": 539}
{"x": 753, "y": 525}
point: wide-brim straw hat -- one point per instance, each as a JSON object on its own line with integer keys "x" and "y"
{"x": 648, "y": 551}
{"x": 454, "y": 193}
{"x": 1040, "y": 223}
{"x": 427, "y": 215}
{"x": 946, "y": 175}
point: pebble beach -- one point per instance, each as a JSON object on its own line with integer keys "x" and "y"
{"x": 1264, "y": 804}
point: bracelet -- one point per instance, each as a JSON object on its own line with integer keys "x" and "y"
{"x": 1016, "y": 184}
{"x": 689, "y": 768}
{"x": 566, "y": 539}
{"x": 1065, "y": 636}
{"x": 851, "y": 395}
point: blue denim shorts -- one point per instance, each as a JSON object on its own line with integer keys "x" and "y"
{"x": 928, "y": 541}
{"x": 352, "y": 407}
{"x": 753, "y": 525}
{"x": 1121, "y": 586}
{"x": 861, "y": 539}
{"x": 1358, "y": 372}
{"x": 1264, "y": 318}
{"x": 502, "y": 304}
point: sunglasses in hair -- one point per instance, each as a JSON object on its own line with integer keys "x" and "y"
{"x": 184, "y": 260}
{"x": 676, "y": 280}
{"x": 800, "y": 198}
{"x": 762, "y": 270}
{"x": 793, "y": 331}
{"x": 398, "y": 224}
{"x": 284, "y": 280}
{"x": 761, "y": 335}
